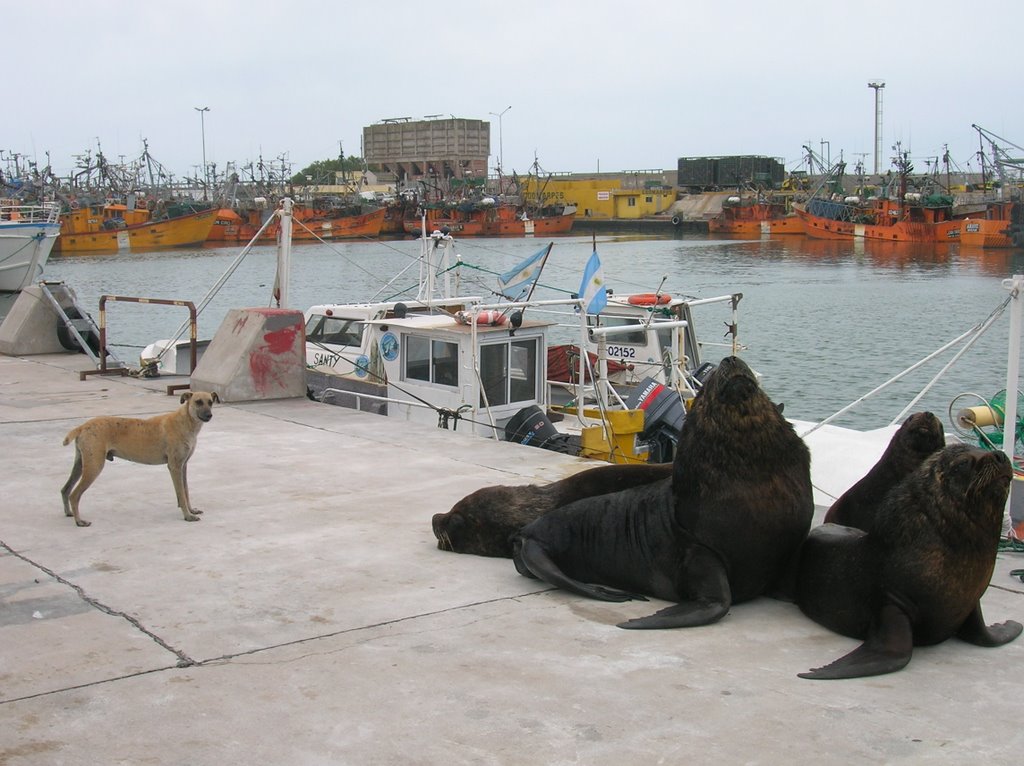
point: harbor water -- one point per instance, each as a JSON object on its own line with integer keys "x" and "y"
{"x": 823, "y": 322}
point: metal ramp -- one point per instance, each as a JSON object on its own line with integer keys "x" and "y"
{"x": 80, "y": 329}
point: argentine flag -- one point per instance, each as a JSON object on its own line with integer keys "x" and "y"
{"x": 593, "y": 293}
{"x": 516, "y": 282}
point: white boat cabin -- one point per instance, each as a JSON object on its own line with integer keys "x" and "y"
{"x": 430, "y": 367}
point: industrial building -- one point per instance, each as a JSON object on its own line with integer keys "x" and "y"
{"x": 434, "y": 147}
{"x": 629, "y": 194}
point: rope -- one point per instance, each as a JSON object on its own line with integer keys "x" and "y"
{"x": 980, "y": 330}
{"x": 33, "y": 240}
{"x": 444, "y": 415}
{"x": 977, "y": 329}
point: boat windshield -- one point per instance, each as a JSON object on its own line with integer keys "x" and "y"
{"x": 639, "y": 337}
{"x": 336, "y": 331}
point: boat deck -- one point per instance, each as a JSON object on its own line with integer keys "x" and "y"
{"x": 310, "y": 619}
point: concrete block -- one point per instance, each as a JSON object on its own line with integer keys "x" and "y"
{"x": 256, "y": 353}
{"x": 31, "y": 326}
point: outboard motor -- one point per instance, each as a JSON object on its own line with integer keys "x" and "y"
{"x": 663, "y": 417}
{"x": 532, "y": 427}
{"x": 702, "y": 373}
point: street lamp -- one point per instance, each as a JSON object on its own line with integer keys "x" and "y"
{"x": 501, "y": 142}
{"x": 202, "y": 125}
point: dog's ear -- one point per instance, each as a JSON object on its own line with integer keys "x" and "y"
{"x": 216, "y": 398}
{"x": 186, "y": 396}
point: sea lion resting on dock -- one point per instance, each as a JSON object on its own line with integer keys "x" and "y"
{"x": 916, "y": 578}
{"x": 482, "y": 522}
{"x": 721, "y": 530}
{"x": 919, "y": 437}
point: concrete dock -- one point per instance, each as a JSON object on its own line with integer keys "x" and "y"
{"x": 310, "y": 619}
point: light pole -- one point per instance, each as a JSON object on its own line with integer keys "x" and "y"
{"x": 876, "y": 86}
{"x": 501, "y": 141}
{"x": 202, "y": 126}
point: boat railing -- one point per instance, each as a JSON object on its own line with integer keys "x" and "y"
{"x": 47, "y": 212}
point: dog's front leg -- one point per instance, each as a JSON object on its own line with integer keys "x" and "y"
{"x": 179, "y": 477}
{"x": 184, "y": 487}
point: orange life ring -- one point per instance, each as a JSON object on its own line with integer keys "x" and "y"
{"x": 489, "y": 317}
{"x": 649, "y": 299}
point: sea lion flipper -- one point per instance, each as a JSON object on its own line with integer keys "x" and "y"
{"x": 888, "y": 648}
{"x": 530, "y": 554}
{"x": 708, "y": 581}
{"x": 686, "y": 615}
{"x": 975, "y": 631}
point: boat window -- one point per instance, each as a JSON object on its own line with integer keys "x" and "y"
{"x": 432, "y": 361}
{"x": 523, "y": 370}
{"x": 444, "y": 363}
{"x": 508, "y": 372}
{"x": 334, "y": 330}
{"x": 639, "y": 337}
{"x": 417, "y": 358}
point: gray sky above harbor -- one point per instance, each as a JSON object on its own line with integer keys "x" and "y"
{"x": 592, "y": 84}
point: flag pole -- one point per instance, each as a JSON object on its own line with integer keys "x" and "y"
{"x": 543, "y": 262}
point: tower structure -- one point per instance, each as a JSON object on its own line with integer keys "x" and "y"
{"x": 877, "y": 86}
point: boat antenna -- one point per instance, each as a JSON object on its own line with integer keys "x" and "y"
{"x": 657, "y": 295}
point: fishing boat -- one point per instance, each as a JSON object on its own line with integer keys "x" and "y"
{"x": 27, "y": 236}
{"x": 107, "y": 227}
{"x": 895, "y": 215}
{"x": 397, "y": 212}
{"x": 489, "y": 218}
{"x": 996, "y": 229}
{"x": 228, "y": 227}
{"x": 440, "y": 357}
{"x": 313, "y": 223}
{"x": 910, "y": 218}
{"x": 755, "y": 216}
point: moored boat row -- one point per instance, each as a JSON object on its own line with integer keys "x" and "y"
{"x": 893, "y": 215}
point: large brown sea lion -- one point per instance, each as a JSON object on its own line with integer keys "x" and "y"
{"x": 920, "y": 436}
{"x": 917, "y": 577}
{"x": 482, "y": 522}
{"x": 720, "y": 531}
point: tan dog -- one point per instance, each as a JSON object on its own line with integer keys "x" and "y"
{"x": 169, "y": 438}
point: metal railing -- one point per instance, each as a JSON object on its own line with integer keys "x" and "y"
{"x": 158, "y": 301}
{"x": 47, "y": 212}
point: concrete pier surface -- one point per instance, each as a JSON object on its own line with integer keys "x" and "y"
{"x": 310, "y": 619}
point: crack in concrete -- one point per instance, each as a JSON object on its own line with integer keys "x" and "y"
{"x": 184, "y": 660}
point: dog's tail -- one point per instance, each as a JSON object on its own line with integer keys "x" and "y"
{"x": 72, "y": 435}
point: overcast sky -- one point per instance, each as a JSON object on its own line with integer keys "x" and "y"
{"x": 592, "y": 84}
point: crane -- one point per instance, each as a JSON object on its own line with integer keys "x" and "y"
{"x": 1000, "y": 159}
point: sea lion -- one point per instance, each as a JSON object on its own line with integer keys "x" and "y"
{"x": 919, "y": 436}
{"x": 720, "y": 531}
{"x": 917, "y": 577}
{"x": 482, "y": 522}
